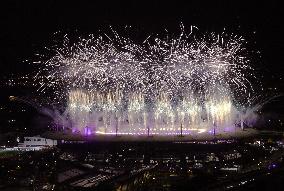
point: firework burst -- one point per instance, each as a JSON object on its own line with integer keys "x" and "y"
{"x": 116, "y": 86}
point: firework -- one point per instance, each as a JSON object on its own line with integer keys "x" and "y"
{"x": 163, "y": 86}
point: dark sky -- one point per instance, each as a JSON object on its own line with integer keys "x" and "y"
{"x": 27, "y": 25}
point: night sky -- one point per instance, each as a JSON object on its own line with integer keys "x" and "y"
{"x": 28, "y": 26}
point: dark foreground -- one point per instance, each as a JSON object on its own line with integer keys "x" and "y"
{"x": 244, "y": 164}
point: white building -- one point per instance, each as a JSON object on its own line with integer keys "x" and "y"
{"x": 37, "y": 141}
{"x": 34, "y": 144}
